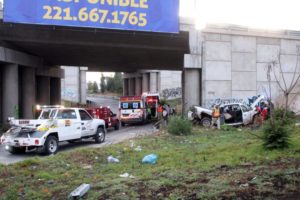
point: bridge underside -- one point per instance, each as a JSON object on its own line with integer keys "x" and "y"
{"x": 100, "y": 50}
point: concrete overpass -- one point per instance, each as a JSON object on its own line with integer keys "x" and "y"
{"x": 30, "y": 56}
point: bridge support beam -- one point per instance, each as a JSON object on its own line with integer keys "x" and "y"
{"x": 1, "y": 96}
{"x": 125, "y": 86}
{"x": 145, "y": 82}
{"x": 28, "y": 92}
{"x": 131, "y": 86}
{"x": 153, "y": 82}
{"x": 82, "y": 84}
{"x": 10, "y": 91}
{"x": 55, "y": 91}
{"x": 43, "y": 90}
{"x": 191, "y": 88}
{"x": 138, "y": 86}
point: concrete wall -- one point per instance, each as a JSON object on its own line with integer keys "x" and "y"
{"x": 167, "y": 83}
{"x": 235, "y": 66}
{"x": 74, "y": 84}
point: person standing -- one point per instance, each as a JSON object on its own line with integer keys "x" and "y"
{"x": 216, "y": 116}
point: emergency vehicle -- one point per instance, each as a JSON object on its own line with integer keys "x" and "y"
{"x": 67, "y": 124}
{"x": 105, "y": 113}
{"x": 138, "y": 109}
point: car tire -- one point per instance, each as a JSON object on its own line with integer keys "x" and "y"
{"x": 100, "y": 135}
{"x": 206, "y": 122}
{"x": 117, "y": 126}
{"x": 122, "y": 124}
{"x": 16, "y": 150}
{"x": 51, "y": 145}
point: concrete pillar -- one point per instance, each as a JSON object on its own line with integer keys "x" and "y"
{"x": 55, "y": 91}
{"x": 153, "y": 82}
{"x": 1, "y": 96}
{"x": 28, "y": 93}
{"x": 191, "y": 85}
{"x": 131, "y": 86}
{"x": 82, "y": 87}
{"x": 43, "y": 90}
{"x": 138, "y": 86}
{"x": 145, "y": 82}
{"x": 125, "y": 87}
{"x": 10, "y": 98}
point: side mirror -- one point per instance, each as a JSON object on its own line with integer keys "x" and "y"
{"x": 114, "y": 115}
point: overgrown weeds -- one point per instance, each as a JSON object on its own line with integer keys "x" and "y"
{"x": 179, "y": 126}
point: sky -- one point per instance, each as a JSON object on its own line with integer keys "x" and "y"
{"x": 265, "y": 14}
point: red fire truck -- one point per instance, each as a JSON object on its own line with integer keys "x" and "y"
{"x": 105, "y": 113}
{"x": 138, "y": 109}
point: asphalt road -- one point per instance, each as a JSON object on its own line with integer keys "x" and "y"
{"x": 112, "y": 137}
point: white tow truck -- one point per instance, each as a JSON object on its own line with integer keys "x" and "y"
{"x": 66, "y": 124}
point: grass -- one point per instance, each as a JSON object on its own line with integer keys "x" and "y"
{"x": 205, "y": 165}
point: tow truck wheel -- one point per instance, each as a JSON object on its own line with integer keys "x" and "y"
{"x": 100, "y": 135}
{"x": 51, "y": 145}
{"x": 117, "y": 127}
{"x": 16, "y": 150}
{"x": 206, "y": 122}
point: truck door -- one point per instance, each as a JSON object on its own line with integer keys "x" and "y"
{"x": 246, "y": 115}
{"x": 86, "y": 123}
{"x": 68, "y": 124}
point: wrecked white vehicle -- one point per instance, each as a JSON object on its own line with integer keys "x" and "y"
{"x": 68, "y": 124}
{"x": 234, "y": 114}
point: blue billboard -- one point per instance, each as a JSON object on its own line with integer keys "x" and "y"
{"x": 140, "y": 15}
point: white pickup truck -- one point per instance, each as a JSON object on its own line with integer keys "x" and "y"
{"x": 238, "y": 113}
{"x": 67, "y": 124}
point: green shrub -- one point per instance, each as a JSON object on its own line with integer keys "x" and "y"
{"x": 276, "y": 135}
{"x": 179, "y": 126}
{"x": 289, "y": 119}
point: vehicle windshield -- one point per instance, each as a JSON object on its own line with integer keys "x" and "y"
{"x": 66, "y": 114}
{"x": 53, "y": 113}
{"x": 131, "y": 105}
{"x": 45, "y": 114}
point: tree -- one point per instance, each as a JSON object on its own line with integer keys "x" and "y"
{"x": 281, "y": 79}
{"x": 95, "y": 87}
{"x": 277, "y": 130}
{"x": 102, "y": 83}
{"x": 90, "y": 86}
{"x": 112, "y": 84}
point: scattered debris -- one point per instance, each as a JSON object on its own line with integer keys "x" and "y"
{"x": 51, "y": 182}
{"x": 80, "y": 191}
{"x": 126, "y": 175}
{"x": 239, "y": 130}
{"x": 131, "y": 143}
{"x": 244, "y": 185}
{"x": 138, "y": 148}
{"x": 111, "y": 159}
{"x": 87, "y": 167}
{"x": 150, "y": 159}
{"x": 96, "y": 157}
